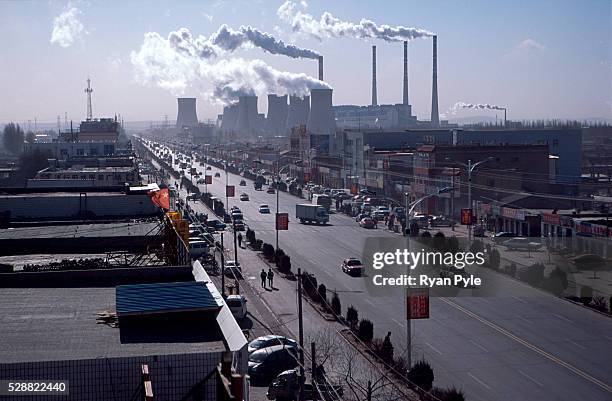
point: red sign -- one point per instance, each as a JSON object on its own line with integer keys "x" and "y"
{"x": 161, "y": 198}
{"x": 466, "y": 217}
{"x": 208, "y": 179}
{"x": 306, "y": 177}
{"x": 230, "y": 191}
{"x": 282, "y": 221}
{"x": 354, "y": 189}
{"x": 417, "y": 302}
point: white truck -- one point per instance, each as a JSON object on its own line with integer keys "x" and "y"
{"x": 309, "y": 213}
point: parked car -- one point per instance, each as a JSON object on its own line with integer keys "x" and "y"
{"x": 198, "y": 248}
{"x": 271, "y": 190}
{"x": 264, "y": 209}
{"x": 233, "y": 269}
{"x": 192, "y": 197}
{"x": 269, "y": 341}
{"x": 520, "y": 243}
{"x": 242, "y": 183}
{"x": 209, "y": 168}
{"x": 367, "y": 222}
{"x": 244, "y": 197}
{"x": 237, "y": 215}
{"x": 590, "y": 261}
{"x": 239, "y": 225}
{"x": 227, "y": 218}
{"x": 216, "y": 224}
{"x": 234, "y": 209}
{"x": 502, "y": 236}
{"x": 237, "y": 304}
{"x": 440, "y": 221}
{"x": 266, "y": 363}
{"x": 201, "y": 181}
{"x": 352, "y": 266}
{"x": 384, "y": 210}
{"x": 217, "y": 175}
{"x": 479, "y": 230}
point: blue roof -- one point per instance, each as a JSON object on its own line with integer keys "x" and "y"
{"x": 163, "y": 298}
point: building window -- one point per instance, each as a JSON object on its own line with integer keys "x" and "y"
{"x": 83, "y": 177}
{"x": 555, "y": 143}
{"x": 93, "y": 152}
{"x": 80, "y": 152}
{"x": 92, "y": 176}
{"x": 75, "y": 177}
{"x": 100, "y": 177}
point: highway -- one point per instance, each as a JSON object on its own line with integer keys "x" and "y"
{"x": 536, "y": 347}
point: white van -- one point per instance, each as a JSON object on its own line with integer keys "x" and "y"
{"x": 237, "y": 304}
{"x": 198, "y": 248}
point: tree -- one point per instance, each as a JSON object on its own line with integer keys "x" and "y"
{"x": 448, "y": 394}
{"x": 30, "y": 137}
{"x": 366, "y": 330}
{"x": 422, "y": 375}
{"x": 12, "y": 138}
{"x": 31, "y": 163}
{"x": 285, "y": 264}
{"x": 387, "y": 349}
{"x": 322, "y": 294}
{"x": 336, "y": 306}
{"x": 352, "y": 316}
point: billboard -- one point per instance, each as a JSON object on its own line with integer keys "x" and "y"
{"x": 282, "y": 221}
{"x": 417, "y": 302}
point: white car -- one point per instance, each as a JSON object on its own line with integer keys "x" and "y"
{"x": 264, "y": 209}
{"x": 198, "y": 248}
{"x": 237, "y": 304}
{"x": 520, "y": 243}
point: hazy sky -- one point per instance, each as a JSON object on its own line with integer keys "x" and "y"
{"x": 540, "y": 58}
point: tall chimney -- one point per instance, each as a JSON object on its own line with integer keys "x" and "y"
{"x": 321, "y": 116}
{"x": 320, "y": 68}
{"x": 405, "y": 98}
{"x": 435, "y": 118}
{"x": 186, "y": 116}
{"x": 374, "y": 97}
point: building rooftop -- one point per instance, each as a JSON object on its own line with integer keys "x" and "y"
{"x": 119, "y": 229}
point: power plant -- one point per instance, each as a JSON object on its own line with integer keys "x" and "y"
{"x": 277, "y": 115}
{"x": 321, "y": 116}
{"x": 247, "y": 115}
{"x": 405, "y": 100}
{"x": 435, "y": 118}
{"x": 187, "y": 116}
{"x": 374, "y": 97}
{"x": 299, "y": 108}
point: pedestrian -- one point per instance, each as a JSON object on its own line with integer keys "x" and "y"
{"x": 263, "y": 278}
{"x": 271, "y": 278}
{"x": 239, "y": 240}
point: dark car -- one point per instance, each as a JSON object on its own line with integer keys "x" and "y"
{"x": 242, "y": 183}
{"x": 217, "y": 175}
{"x": 239, "y": 225}
{"x": 502, "y": 236}
{"x": 352, "y": 266}
{"x": 271, "y": 190}
{"x": 266, "y": 363}
{"x": 216, "y": 224}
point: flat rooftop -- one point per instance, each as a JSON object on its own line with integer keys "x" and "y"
{"x": 104, "y": 230}
{"x": 53, "y": 324}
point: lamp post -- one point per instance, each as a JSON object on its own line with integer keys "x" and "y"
{"x": 278, "y": 177}
{"x": 410, "y": 209}
{"x": 470, "y": 167}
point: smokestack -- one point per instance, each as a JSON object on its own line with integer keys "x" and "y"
{"x": 186, "y": 116}
{"x": 374, "y": 97}
{"x": 321, "y": 117}
{"x": 247, "y": 114}
{"x": 299, "y": 108}
{"x": 405, "y": 101}
{"x": 320, "y": 68}
{"x": 277, "y": 115}
{"x": 435, "y": 118}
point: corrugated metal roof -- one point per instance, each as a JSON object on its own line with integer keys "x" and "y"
{"x": 163, "y": 298}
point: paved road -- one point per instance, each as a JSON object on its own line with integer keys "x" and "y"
{"x": 515, "y": 348}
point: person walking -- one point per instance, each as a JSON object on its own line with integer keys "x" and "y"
{"x": 263, "y": 278}
{"x": 271, "y": 278}
{"x": 239, "y": 240}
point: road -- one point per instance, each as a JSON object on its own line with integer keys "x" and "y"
{"x": 516, "y": 348}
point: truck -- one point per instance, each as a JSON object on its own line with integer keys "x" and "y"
{"x": 308, "y": 213}
{"x": 322, "y": 200}
{"x": 286, "y": 387}
{"x": 259, "y": 181}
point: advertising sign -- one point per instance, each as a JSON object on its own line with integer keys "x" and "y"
{"x": 466, "y": 216}
{"x": 282, "y": 221}
{"x": 417, "y": 301}
{"x": 230, "y": 191}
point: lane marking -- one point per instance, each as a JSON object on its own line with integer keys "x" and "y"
{"x": 529, "y": 378}
{"x": 532, "y": 347}
{"x": 524, "y": 319}
{"x": 479, "y": 346}
{"x": 479, "y": 381}
{"x": 562, "y": 318}
{"x": 370, "y": 302}
{"x": 399, "y": 323}
{"x": 575, "y": 343}
{"x": 520, "y": 300}
{"x": 433, "y": 348}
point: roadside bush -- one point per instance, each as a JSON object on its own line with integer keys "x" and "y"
{"x": 532, "y": 275}
{"x": 309, "y": 282}
{"x": 257, "y": 244}
{"x": 401, "y": 365}
{"x": 422, "y": 375}
{"x": 556, "y": 282}
{"x": 511, "y": 269}
{"x": 599, "y": 303}
{"x": 448, "y": 394}
{"x": 250, "y": 235}
{"x": 387, "y": 349}
{"x": 425, "y": 234}
{"x": 336, "y": 306}
{"x": 278, "y": 253}
{"x": 586, "y": 295}
{"x": 477, "y": 246}
{"x": 268, "y": 251}
{"x": 285, "y": 264}
{"x": 322, "y": 294}
{"x": 352, "y": 316}
{"x": 366, "y": 330}
{"x": 494, "y": 259}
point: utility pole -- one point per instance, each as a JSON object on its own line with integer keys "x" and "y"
{"x": 301, "y": 330}
{"x": 313, "y": 357}
{"x": 369, "y": 394}
{"x": 88, "y": 90}
{"x": 222, "y": 268}
{"x": 236, "y": 259}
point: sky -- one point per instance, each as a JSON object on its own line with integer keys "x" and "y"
{"x": 538, "y": 58}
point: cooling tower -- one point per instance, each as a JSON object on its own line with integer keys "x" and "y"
{"x": 321, "y": 117}
{"x": 299, "y": 108}
{"x": 320, "y": 68}
{"x": 187, "y": 116}
{"x": 277, "y": 115}
{"x": 374, "y": 96}
{"x": 405, "y": 97}
{"x": 247, "y": 114}
{"x": 230, "y": 117}
{"x": 435, "y": 118}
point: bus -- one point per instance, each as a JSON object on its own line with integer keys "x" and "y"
{"x": 322, "y": 200}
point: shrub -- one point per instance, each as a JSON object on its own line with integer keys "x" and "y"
{"x": 268, "y": 250}
{"x": 285, "y": 264}
{"x": 400, "y": 364}
{"x": 309, "y": 282}
{"x": 250, "y": 235}
{"x": 422, "y": 375}
{"x": 511, "y": 269}
{"x": 556, "y": 282}
{"x": 494, "y": 259}
{"x": 599, "y": 303}
{"x": 257, "y": 244}
{"x": 586, "y": 295}
{"x": 425, "y": 234}
{"x": 322, "y": 294}
{"x": 352, "y": 316}
{"x": 278, "y": 253}
{"x": 453, "y": 244}
{"x": 477, "y": 246}
{"x": 532, "y": 275}
{"x": 448, "y": 394}
{"x": 366, "y": 330}
{"x": 387, "y": 349}
{"x": 336, "y": 306}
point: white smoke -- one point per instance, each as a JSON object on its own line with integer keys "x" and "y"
{"x": 227, "y": 39}
{"x": 67, "y": 28}
{"x": 161, "y": 62}
{"x": 329, "y": 26}
{"x": 474, "y": 106}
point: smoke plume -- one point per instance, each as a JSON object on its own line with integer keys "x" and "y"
{"x": 67, "y": 27}
{"x": 227, "y": 39}
{"x": 477, "y": 106}
{"x": 179, "y": 62}
{"x": 329, "y": 26}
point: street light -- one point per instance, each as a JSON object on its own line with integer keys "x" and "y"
{"x": 410, "y": 208}
{"x": 278, "y": 177}
{"x": 470, "y": 168}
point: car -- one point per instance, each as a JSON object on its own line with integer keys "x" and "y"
{"x": 383, "y": 210}
{"x": 201, "y": 181}
{"x": 216, "y": 224}
{"x": 237, "y": 215}
{"x": 244, "y": 197}
{"x": 227, "y": 218}
{"x": 264, "y": 209}
{"x": 502, "y": 236}
{"x": 242, "y": 183}
{"x": 440, "y": 221}
{"x": 234, "y": 209}
{"x": 193, "y": 197}
{"x": 239, "y": 225}
{"x": 266, "y": 363}
{"x": 520, "y": 243}
{"x": 233, "y": 269}
{"x": 589, "y": 261}
{"x": 271, "y": 340}
{"x": 217, "y": 175}
{"x": 421, "y": 219}
{"x": 237, "y": 305}
{"x": 352, "y": 266}
{"x": 271, "y": 190}
{"x": 361, "y": 216}
{"x": 209, "y": 168}
{"x": 367, "y": 222}
{"x": 198, "y": 248}
{"x": 479, "y": 230}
